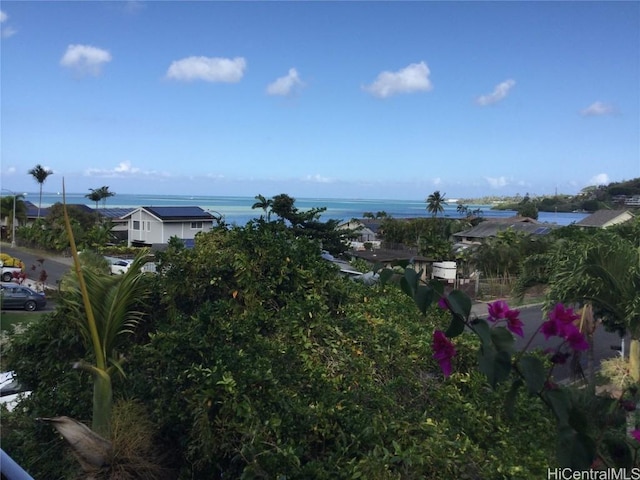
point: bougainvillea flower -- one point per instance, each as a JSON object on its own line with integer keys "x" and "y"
{"x": 442, "y": 303}
{"x": 563, "y": 315}
{"x": 575, "y": 338}
{"x": 498, "y": 310}
{"x": 560, "y": 324}
{"x": 549, "y": 329}
{"x": 514, "y": 324}
{"x": 443, "y": 351}
{"x": 635, "y": 434}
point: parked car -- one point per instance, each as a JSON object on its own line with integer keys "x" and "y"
{"x": 11, "y": 392}
{"x": 119, "y": 267}
{"x": 13, "y": 295}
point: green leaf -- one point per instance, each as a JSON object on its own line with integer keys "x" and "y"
{"x": 460, "y": 303}
{"x": 502, "y": 339}
{"x": 574, "y": 450}
{"x": 423, "y": 298}
{"x": 534, "y": 373}
{"x": 456, "y": 327}
{"x": 483, "y": 330}
{"x": 409, "y": 282}
{"x": 385, "y": 275}
{"x": 512, "y": 395}
{"x": 495, "y": 365}
{"x": 560, "y": 402}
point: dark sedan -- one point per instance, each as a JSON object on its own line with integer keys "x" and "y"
{"x": 17, "y": 296}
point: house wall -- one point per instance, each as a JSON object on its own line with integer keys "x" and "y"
{"x": 154, "y": 231}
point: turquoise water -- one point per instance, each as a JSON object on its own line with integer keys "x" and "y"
{"x": 238, "y": 209}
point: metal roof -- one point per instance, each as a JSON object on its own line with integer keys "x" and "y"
{"x": 601, "y": 217}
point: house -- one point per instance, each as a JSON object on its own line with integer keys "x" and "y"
{"x": 605, "y": 218}
{"x": 149, "y": 226}
{"x": 490, "y": 228}
{"x": 119, "y": 222}
{"x": 389, "y": 258}
{"x": 366, "y": 230}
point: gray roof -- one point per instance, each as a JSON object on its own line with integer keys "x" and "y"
{"x": 490, "y": 228}
{"x": 600, "y": 218}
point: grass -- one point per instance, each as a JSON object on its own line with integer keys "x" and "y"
{"x": 9, "y": 319}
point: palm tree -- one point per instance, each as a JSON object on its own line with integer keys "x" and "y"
{"x": 435, "y": 203}
{"x": 105, "y": 310}
{"x": 104, "y": 194}
{"x": 264, "y": 204}
{"x": 40, "y": 175}
{"x": 94, "y": 196}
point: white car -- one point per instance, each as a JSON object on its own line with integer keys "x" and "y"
{"x": 11, "y": 392}
{"x": 118, "y": 267}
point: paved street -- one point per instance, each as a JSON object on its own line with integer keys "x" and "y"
{"x": 54, "y": 266}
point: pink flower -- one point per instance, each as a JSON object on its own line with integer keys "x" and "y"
{"x": 443, "y": 351}
{"x": 442, "y": 303}
{"x": 635, "y": 434}
{"x": 498, "y": 310}
{"x": 562, "y": 315}
{"x": 514, "y": 324}
{"x": 560, "y": 324}
{"x": 575, "y": 338}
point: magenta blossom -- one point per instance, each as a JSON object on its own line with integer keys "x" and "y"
{"x": 514, "y": 324}
{"x": 442, "y": 303}
{"x": 443, "y": 351}
{"x": 560, "y": 324}
{"x": 563, "y": 315}
{"x": 499, "y": 310}
{"x": 635, "y": 434}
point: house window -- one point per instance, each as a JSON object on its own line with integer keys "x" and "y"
{"x": 136, "y": 224}
{"x": 196, "y": 225}
{"x": 148, "y": 226}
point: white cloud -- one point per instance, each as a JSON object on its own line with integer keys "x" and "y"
{"x": 124, "y": 170}
{"x": 499, "y": 93}
{"x": 285, "y": 85}
{"x": 437, "y": 181}
{"x": 6, "y": 31}
{"x": 600, "y": 179}
{"x": 496, "y": 182}
{"x": 597, "y": 109}
{"x": 209, "y": 69}
{"x": 317, "y": 178}
{"x": 414, "y": 78}
{"x": 85, "y": 59}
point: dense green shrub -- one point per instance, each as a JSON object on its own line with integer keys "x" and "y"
{"x": 258, "y": 361}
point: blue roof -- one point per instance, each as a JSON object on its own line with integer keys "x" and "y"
{"x": 180, "y": 213}
{"x": 115, "y": 212}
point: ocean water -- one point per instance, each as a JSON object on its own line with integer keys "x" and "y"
{"x": 238, "y": 209}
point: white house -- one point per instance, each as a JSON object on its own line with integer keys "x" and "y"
{"x": 156, "y": 225}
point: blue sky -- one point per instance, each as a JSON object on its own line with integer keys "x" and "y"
{"x": 320, "y": 99}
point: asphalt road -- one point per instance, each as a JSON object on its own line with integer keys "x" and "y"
{"x": 54, "y": 267}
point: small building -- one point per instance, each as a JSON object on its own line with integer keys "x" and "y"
{"x": 605, "y": 218}
{"x": 389, "y": 258}
{"x": 490, "y": 228}
{"x": 149, "y": 226}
